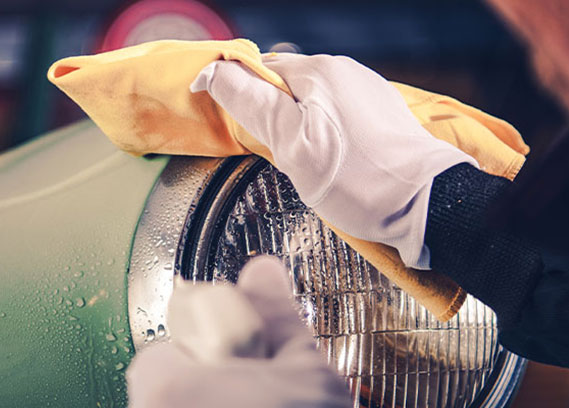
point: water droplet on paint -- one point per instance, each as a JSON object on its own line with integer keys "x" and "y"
{"x": 150, "y": 335}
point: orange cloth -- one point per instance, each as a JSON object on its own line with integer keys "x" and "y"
{"x": 139, "y": 96}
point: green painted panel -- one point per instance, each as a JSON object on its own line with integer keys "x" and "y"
{"x": 69, "y": 205}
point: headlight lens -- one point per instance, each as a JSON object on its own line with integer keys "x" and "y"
{"x": 390, "y": 349}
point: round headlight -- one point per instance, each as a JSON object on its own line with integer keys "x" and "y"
{"x": 390, "y": 349}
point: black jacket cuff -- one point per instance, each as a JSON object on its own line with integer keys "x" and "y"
{"x": 499, "y": 269}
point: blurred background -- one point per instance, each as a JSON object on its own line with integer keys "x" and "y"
{"x": 460, "y": 48}
{"x": 456, "y": 47}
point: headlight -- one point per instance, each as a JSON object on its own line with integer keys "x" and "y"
{"x": 207, "y": 217}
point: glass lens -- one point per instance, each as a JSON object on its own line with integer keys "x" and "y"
{"x": 390, "y": 349}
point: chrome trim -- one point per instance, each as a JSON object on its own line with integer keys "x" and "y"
{"x": 198, "y": 265}
{"x": 156, "y": 249}
{"x": 505, "y": 387}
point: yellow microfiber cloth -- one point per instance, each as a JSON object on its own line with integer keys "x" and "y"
{"x": 139, "y": 96}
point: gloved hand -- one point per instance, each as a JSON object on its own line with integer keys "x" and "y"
{"x": 349, "y": 143}
{"x": 189, "y": 373}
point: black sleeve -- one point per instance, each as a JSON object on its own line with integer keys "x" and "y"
{"x": 531, "y": 300}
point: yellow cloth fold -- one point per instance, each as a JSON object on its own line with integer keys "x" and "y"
{"x": 139, "y": 96}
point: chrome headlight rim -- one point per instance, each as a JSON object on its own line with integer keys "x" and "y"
{"x": 167, "y": 214}
{"x": 172, "y": 215}
{"x": 503, "y": 383}
{"x": 211, "y": 215}
{"x": 183, "y": 218}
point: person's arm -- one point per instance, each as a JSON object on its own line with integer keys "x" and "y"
{"x": 360, "y": 144}
{"x": 507, "y": 273}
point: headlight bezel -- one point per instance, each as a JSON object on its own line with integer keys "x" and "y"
{"x": 183, "y": 217}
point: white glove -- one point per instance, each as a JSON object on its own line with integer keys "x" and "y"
{"x": 292, "y": 374}
{"x": 350, "y": 145}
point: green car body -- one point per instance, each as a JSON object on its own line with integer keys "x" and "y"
{"x": 69, "y": 206}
